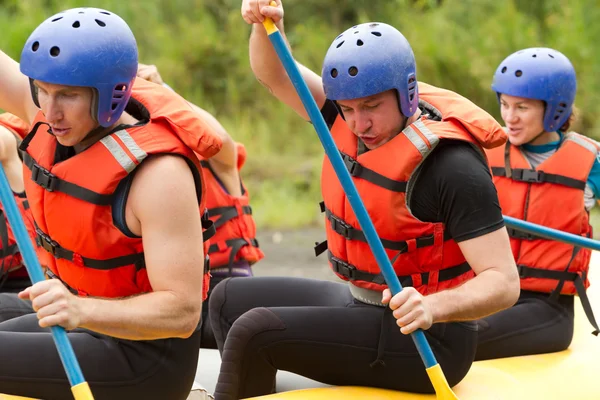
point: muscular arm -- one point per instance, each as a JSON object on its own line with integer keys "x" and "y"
{"x": 270, "y": 72}
{"x": 15, "y": 95}
{"x": 455, "y": 187}
{"x": 494, "y": 288}
{"x": 163, "y": 201}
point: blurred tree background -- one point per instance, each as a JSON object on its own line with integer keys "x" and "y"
{"x": 201, "y": 49}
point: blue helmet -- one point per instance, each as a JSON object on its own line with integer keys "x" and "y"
{"x": 541, "y": 74}
{"x": 87, "y": 47}
{"x": 368, "y": 59}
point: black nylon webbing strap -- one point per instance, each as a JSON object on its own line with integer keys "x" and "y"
{"x": 352, "y": 273}
{"x": 233, "y": 243}
{"x": 345, "y": 230}
{"x": 359, "y": 171}
{"x": 208, "y": 227}
{"x": 227, "y": 213}
{"x": 534, "y": 176}
{"x": 51, "y": 183}
{"x": 52, "y": 247}
{"x": 529, "y": 272}
{"x": 52, "y": 275}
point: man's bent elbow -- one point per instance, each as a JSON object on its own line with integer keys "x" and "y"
{"x": 512, "y": 287}
{"x": 189, "y": 325}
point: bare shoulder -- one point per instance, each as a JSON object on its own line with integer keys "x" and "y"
{"x": 163, "y": 184}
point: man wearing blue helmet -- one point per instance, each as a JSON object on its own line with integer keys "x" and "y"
{"x": 542, "y": 161}
{"x": 115, "y": 187}
{"x": 415, "y": 153}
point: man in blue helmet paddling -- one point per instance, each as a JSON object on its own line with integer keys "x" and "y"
{"x": 115, "y": 189}
{"x": 415, "y": 153}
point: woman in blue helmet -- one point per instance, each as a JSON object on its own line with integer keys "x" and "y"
{"x": 543, "y": 161}
{"x": 115, "y": 189}
{"x": 417, "y": 169}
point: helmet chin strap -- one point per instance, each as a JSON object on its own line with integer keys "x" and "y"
{"x": 97, "y": 132}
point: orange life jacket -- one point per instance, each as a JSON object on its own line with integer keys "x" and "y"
{"x": 235, "y": 238}
{"x": 72, "y": 200}
{"x": 551, "y": 195}
{"x": 422, "y": 254}
{"x": 11, "y": 261}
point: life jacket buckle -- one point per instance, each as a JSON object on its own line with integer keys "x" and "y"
{"x": 343, "y": 268}
{"x": 46, "y": 242}
{"x": 516, "y": 234}
{"x": 43, "y": 177}
{"x": 353, "y": 166}
{"x": 531, "y": 175}
{"x": 340, "y": 227}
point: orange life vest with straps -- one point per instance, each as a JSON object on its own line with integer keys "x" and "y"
{"x": 235, "y": 238}
{"x": 551, "y": 195}
{"x": 11, "y": 261}
{"x": 71, "y": 201}
{"x": 423, "y": 256}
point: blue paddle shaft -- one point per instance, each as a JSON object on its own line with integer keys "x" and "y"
{"x": 346, "y": 181}
{"x": 550, "y": 233}
{"x": 67, "y": 355}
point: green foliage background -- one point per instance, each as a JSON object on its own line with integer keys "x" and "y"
{"x": 201, "y": 49}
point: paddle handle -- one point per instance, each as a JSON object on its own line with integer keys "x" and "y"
{"x": 79, "y": 387}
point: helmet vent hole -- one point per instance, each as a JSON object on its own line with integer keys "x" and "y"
{"x": 100, "y": 23}
{"x": 411, "y": 80}
{"x": 353, "y": 71}
{"x": 411, "y": 96}
{"x": 341, "y": 34}
{"x": 359, "y": 42}
{"x": 334, "y": 73}
{"x": 373, "y": 25}
{"x": 550, "y": 55}
{"x": 54, "y": 51}
{"x": 104, "y": 12}
{"x": 518, "y": 73}
{"x": 35, "y": 46}
{"x": 81, "y": 12}
{"x": 376, "y": 33}
{"x": 340, "y": 44}
{"x": 114, "y": 106}
{"x": 504, "y": 69}
{"x": 534, "y": 55}
{"x": 57, "y": 19}
{"x": 556, "y": 117}
{"x": 562, "y": 105}
{"x": 76, "y": 24}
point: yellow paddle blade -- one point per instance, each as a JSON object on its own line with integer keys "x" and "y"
{"x": 440, "y": 384}
{"x": 9, "y": 397}
{"x": 82, "y": 391}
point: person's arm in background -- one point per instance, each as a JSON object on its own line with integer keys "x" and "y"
{"x": 224, "y": 163}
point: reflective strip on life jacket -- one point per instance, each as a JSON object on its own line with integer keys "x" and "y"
{"x": 127, "y": 161}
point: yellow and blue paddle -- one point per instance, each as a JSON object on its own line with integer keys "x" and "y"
{"x": 440, "y": 384}
{"x": 79, "y": 387}
{"x": 553, "y": 234}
